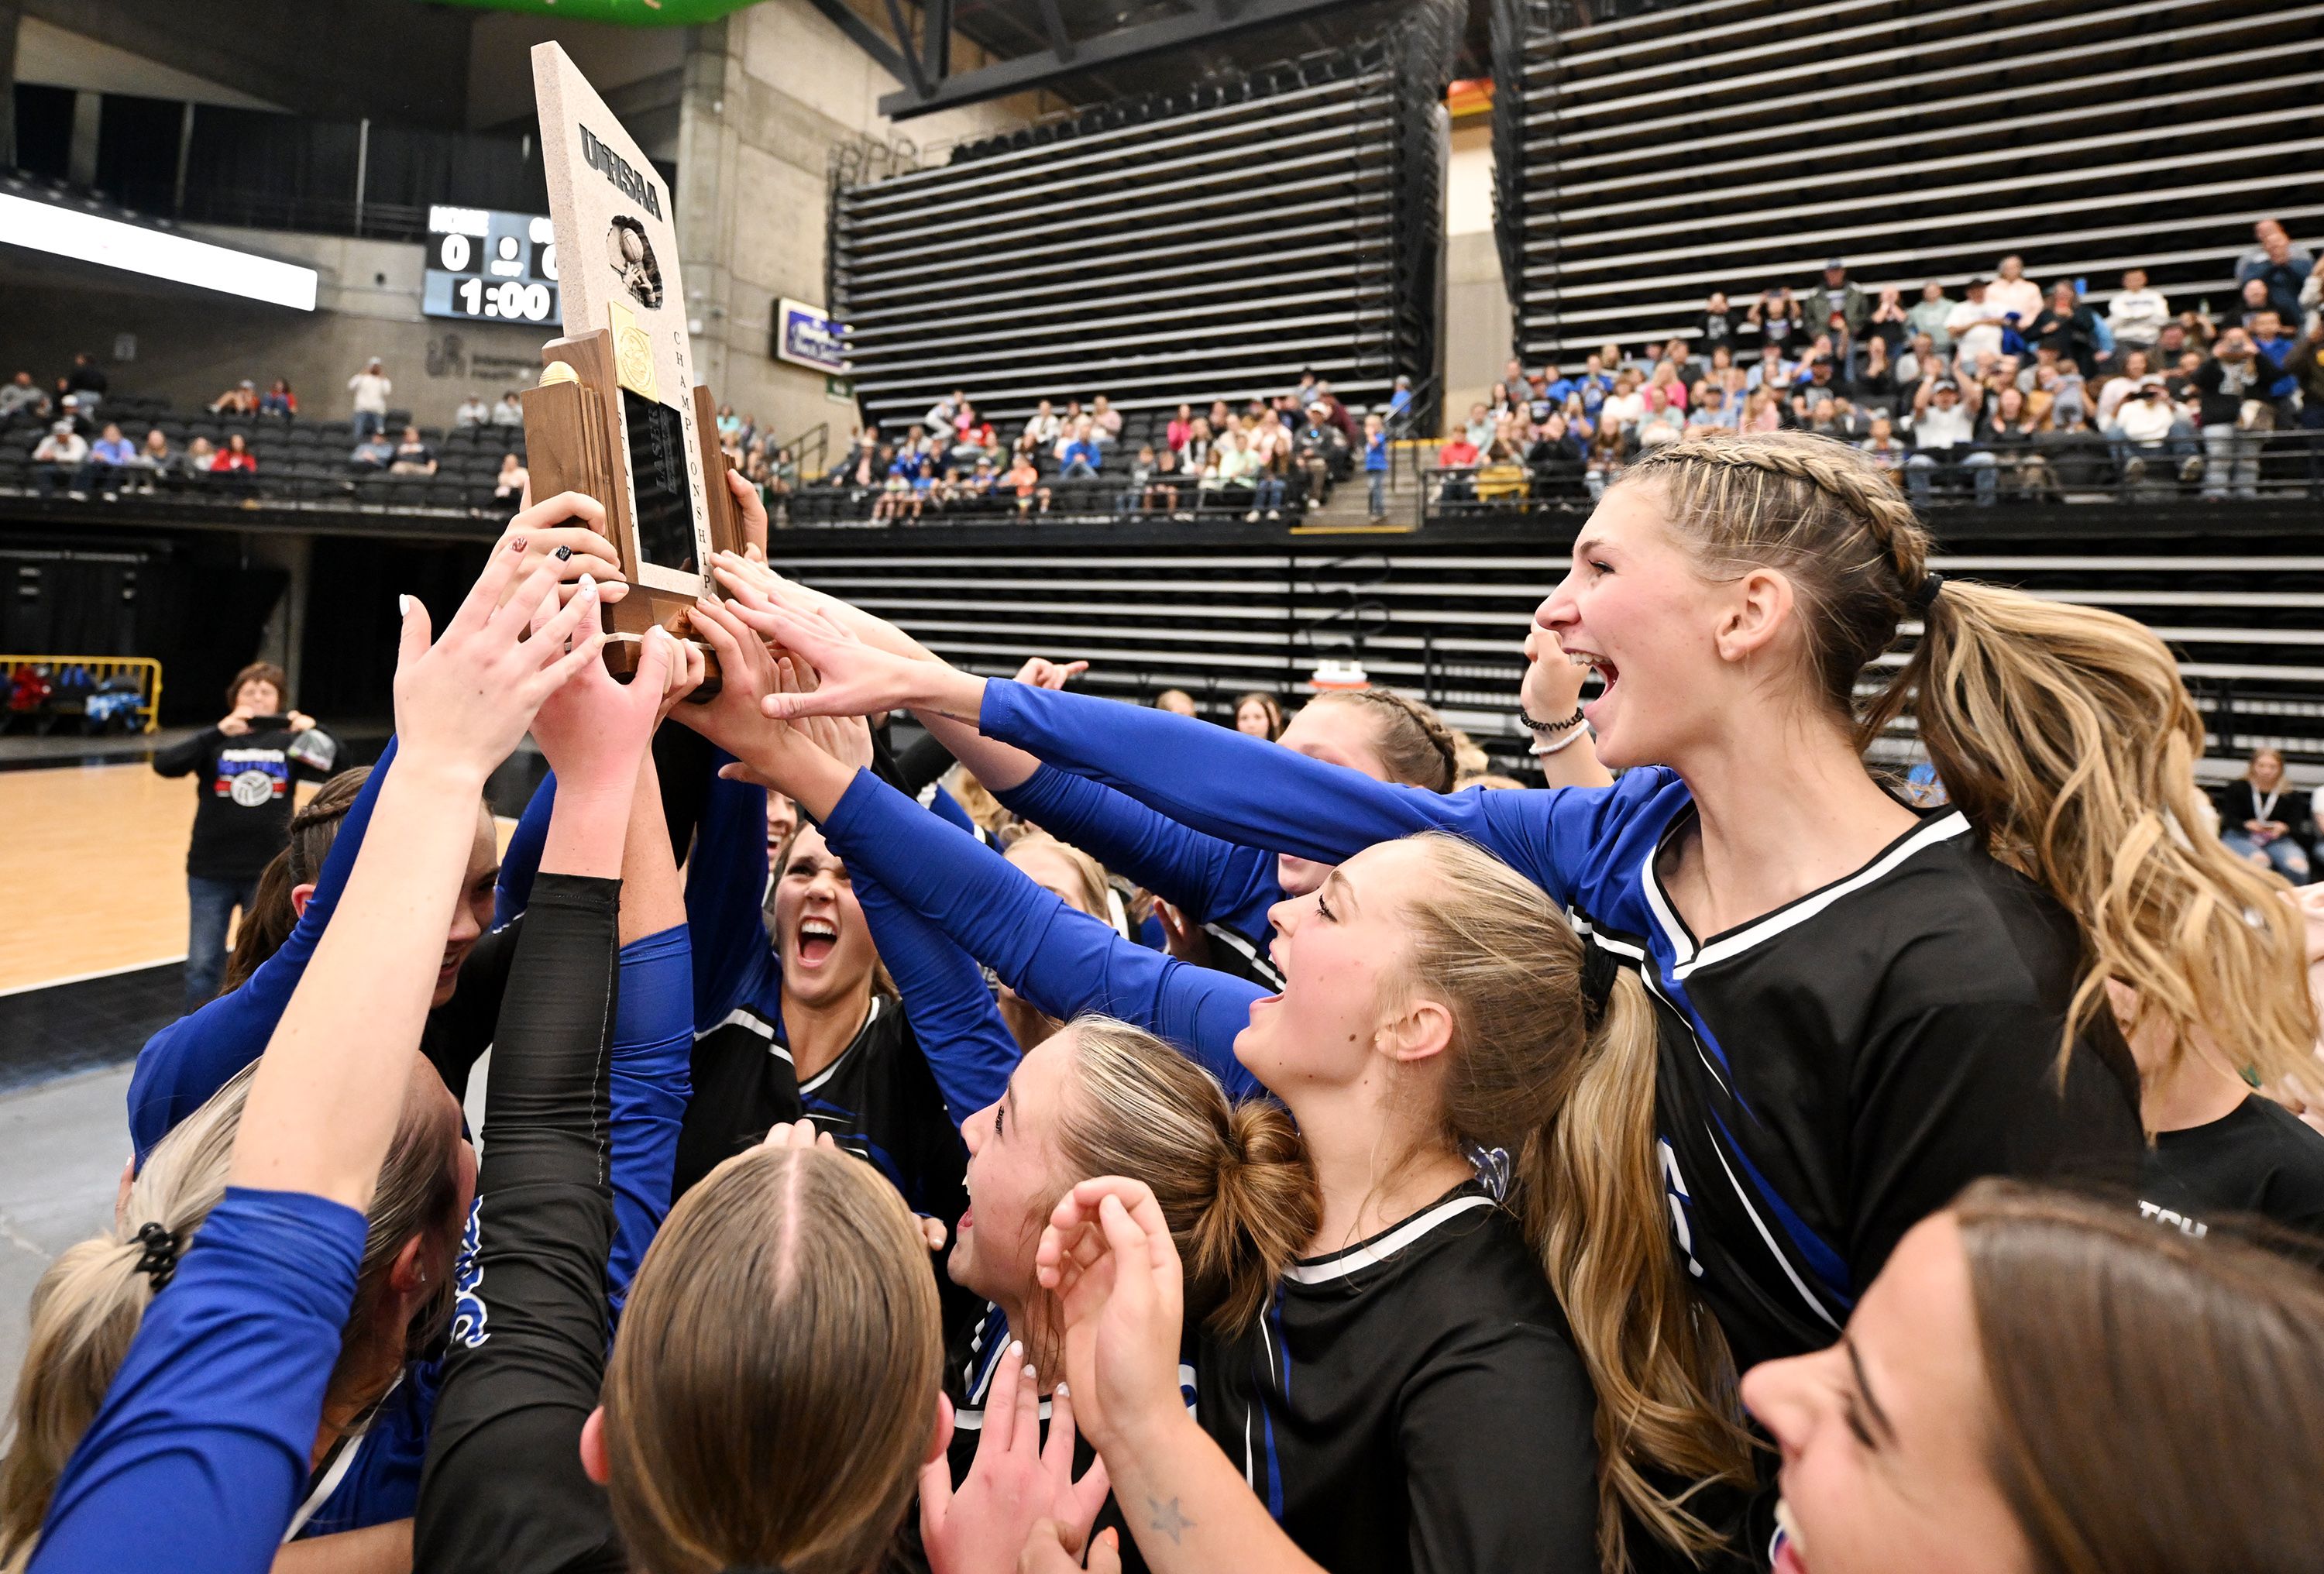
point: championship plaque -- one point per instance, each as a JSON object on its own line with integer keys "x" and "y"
{"x": 618, "y": 414}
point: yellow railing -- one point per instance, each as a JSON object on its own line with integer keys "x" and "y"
{"x": 99, "y": 669}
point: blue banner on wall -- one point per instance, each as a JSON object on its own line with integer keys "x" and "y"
{"x": 805, "y": 336}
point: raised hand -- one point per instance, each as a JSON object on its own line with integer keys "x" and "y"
{"x": 1108, "y": 1257}
{"x": 1042, "y": 673}
{"x": 593, "y": 729}
{"x": 773, "y": 754}
{"x": 847, "y": 739}
{"x": 857, "y": 679}
{"x": 1015, "y": 1483}
{"x": 575, "y": 522}
{"x": 1552, "y": 688}
{"x": 464, "y": 699}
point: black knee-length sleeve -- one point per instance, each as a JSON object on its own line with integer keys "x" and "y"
{"x": 503, "y": 1489}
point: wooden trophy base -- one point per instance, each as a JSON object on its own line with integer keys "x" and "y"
{"x": 572, "y": 433}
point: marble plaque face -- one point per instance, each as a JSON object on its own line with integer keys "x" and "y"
{"x": 617, "y": 270}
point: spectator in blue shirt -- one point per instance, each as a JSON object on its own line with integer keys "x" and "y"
{"x": 1398, "y": 401}
{"x": 2278, "y": 264}
{"x": 110, "y": 453}
{"x": 1077, "y": 458}
{"x": 2267, "y": 334}
{"x": 1376, "y": 459}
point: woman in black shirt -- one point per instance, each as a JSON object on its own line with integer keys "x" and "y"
{"x": 244, "y": 768}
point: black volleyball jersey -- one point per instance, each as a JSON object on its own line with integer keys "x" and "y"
{"x": 878, "y": 1100}
{"x": 1828, "y": 1074}
{"x": 2261, "y": 1159}
{"x": 1415, "y": 1402}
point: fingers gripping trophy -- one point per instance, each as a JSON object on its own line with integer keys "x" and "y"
{"x": 618, "y": 415}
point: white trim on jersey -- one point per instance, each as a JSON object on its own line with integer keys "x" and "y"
{"x": 343, "y": 1460}
{"x": 1774, "y": 1250}
{"x": 1257, "y": 958}
{"x": 1943, "y": 829}
{"x": 879, "y": 1003}
{"x": 1387, "y": 1245}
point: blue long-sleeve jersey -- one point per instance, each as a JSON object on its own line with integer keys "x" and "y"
{"x": 1062, "y": 960}
{"x": 1828, "y": 1074}
{"x": 1224, "y": 886}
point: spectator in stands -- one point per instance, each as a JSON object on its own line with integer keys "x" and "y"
{"x": 1077, "y": 455}
{"x": 1873, "y": 386}
{"x": 373, "y": 453}
{"x": 1479, "y": 428}
{"x": 1025, "y": 479}
{"x": 1458, "y": 457}
{"x": 85, "y": 380}
{"x": 111, "y": 454}
{"x": 2257, "y": 818}
{"x": 2073, "y": 456}
{"x": 1320, "y": 451}
{"x": 22, "y": 396}
{"x": 1105, "y": 421}
{"x": 941, "y": 413}
{"x": 1711, "y": 411}
{"x": 1399, "y": 397}
{"x": 1842, "y": 302}
{"x": 509, "y": 412}
{"x": 239, "y": 465}
{"x": 1882, "y": 447}
{"x": 2278, "y": 266}
{"x": 1665, "y": 378}
{"x": 1822, "y": 382}
{"x": 1762, "y": 411}
{"x": 2250, "y": 302}
{"x": 1044, "y": 428}
{"x": 2006, "y": 437}
{"x": 2173, "y": 342}
{"x": 1929, "y": 315}
{"x": 1272, "y": 441}
{"x": 509, "y": 485}
{"x": 2237, "y": 371}
{"x": 473, "y": 411}
{"x": 371, "y": 389}
{"x": 1718, "y": 324}
{"x": 730, "y": 425}
{"x": 1267, "y": 482}
{"x": 1921, "y": 359}
{"x": 1181, "y": 427}
{"x": 1609, "y": 457}
{"x": 1944, "y": 428}
{"x": 1227, "y": 480}
{"x": 1336, "y": 413}
{"x": 241, "y": 399}
{"x": 1771, "y": 370}
{"x": 1132, "y": 497}
{"x": 1177, "y": 702}
{"x": 2269, "y": 337}
{"x": 2011, "y": 291}
{"x": 2071, "y": 327}
{"x": 1626, "y": 406}
{"x": 199, "y": 456}
{"x": 1162, "y": 486}
{"x": 1975, "y": 324}
{"x": 2137, "y": 314}
{"x": 58, "y": 461}
{"x": 2143, "y": 423}
{"x": 1376, "y": 459}
{"x": 1663, "y": 421}
{"x": 1889, "y": 323}
{"x": 412, "y": 456}
{"x": 1773, "y": 319}
{"x": 154, "y": 460}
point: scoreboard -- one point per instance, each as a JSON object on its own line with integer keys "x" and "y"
{"x": 483, "y": 266}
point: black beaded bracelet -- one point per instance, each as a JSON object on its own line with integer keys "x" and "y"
{"x": 1572, "y": 721}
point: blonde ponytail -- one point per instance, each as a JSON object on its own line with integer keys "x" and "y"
{"x": 1575, "y": 1105}
{"x": 1595, "y": 1203}
{"x": 1233, "y": 1179}
{"x": 2063, "y": 733}
{"x": 89, "y": 1305}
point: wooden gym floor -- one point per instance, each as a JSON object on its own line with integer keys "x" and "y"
{"x": 94, "y": 870}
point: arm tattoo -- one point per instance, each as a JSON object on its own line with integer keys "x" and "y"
{"x": 1166, "y": 1518}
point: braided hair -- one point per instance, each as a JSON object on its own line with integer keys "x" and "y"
{"x": 1416, "y": 746}
{"x": 2062, "y": 733}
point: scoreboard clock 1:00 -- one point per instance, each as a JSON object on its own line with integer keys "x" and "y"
{"x": 484, "y": 265}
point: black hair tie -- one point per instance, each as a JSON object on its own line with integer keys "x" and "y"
{"x": 1599, "y": 968}
{"x": 1925, "y": 595}
{"x": 159, "y": 1260}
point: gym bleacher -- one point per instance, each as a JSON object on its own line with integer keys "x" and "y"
{"x": 303, "y": 469}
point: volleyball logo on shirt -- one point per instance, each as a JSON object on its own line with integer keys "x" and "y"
{"x": 468, "y": 1315}
{"x": 252, "y": 777}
